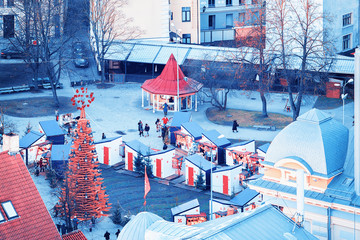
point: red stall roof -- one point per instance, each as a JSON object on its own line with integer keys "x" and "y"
{"x": 166, "y": 82}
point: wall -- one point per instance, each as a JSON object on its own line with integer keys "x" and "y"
{"x": 114, "y": 148}
{"x": 334, "y": 10}
{"x": 181, "y": 219}
{"x": 249, "y": 147}
{"x": 233, "y": 181}
{"x": 33, "y": 150}
{"x": 196, "y": 172}
{"x": 166, "y": 163}
{"x": 191, "y": 27}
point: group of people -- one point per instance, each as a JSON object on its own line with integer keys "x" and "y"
{"x": 141, "y": 129}
{"x": 107, "y": 234}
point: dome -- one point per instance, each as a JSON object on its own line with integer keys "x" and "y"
{"x": 135, "y": 229}
{"x": 315, "y": 140}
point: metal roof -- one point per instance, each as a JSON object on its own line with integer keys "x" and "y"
{"x": 151, "y": 53}
{"x": 60, "y": 152}
{"x": 135, "y": 229}
{"x": 194, "y": 129}
{"x": 200, "y": 162}
{"x": 227, "y": 168}
{"x": 139, "y": 147}
{"x": 265, "y": 222}
{"x": 165, "y": 52}
{"x": 240, "y": 144}
{"x": 264, "y": 147}
{"x": 119, "y": 51}
{"x": 143, "y": 53}
{"x": 216, "y": 138}
{"x": 315, "y": 138}
{"x": 51, "y": 128}
{"x": 29, "y": 139}
{"x": 244, "y": 197}
{"x": 179, "y": 118}
{"x": 185, "y": 207}
{"x": 107, "y": 140}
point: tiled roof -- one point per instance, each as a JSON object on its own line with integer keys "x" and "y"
{"x": 76, "y": 235}
{"x": 17, "y": 186}
{"x": 29, "y": 139}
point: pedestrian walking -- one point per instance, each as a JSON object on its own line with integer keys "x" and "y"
{"x": 117, "y": 233}
{"x": 158, "y": 125}
{"x": 165, "y": 120}
{"x": 57, "y": 114}
{"x": 75, "y": 223}
{"x": 147, "y": 129}
{"x": 107, "y": 235}
{"x": 63, "y": 229}
{"x": 103, "y": 136}
{"x": 140, "y": 128}
{"x": 165, "y": 106}
{"x": 235, "y": 125}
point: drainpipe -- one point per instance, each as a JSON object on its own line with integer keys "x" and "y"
{"x": 329, "y": 223}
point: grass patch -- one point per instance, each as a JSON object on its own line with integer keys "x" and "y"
{"x": 247, "y": 118}
{"x": 324, "y": 103}
{"x": 36, "y": 107}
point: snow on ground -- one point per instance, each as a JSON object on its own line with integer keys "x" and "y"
{"x": 49, "y": 197}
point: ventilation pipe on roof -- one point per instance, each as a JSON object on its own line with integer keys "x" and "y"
{"x": 357, "y": 121}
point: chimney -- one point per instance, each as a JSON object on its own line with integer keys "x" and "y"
{"x": 357, "y": 121}
{"x": 11, "y": 143}
{"x": 300, "y": 196}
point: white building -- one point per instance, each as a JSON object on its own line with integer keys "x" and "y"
{"x": 246, "y": 146}
{"x": 109, "y": 150}
{"x": 179, "y": 212}
{"x": 29, "y": 145}
{"x": 195, "y": 164}
{"x": 226, "y": 180}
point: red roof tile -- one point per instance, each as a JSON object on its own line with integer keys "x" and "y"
{"x": 76, "y": 235}
{"x": 17, "y": 186}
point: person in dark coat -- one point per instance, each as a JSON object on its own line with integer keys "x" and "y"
{"x": 140, "y": 128}
{"x": 63, "y": 229}
{"x": 147, "y": 129}
{"x": 158, "y": 125}
{"x": 165, "y": 109}
{"x": 117, "y": 233}
{"x": 103, "y": 136}
{"x": 75, "y": 223}
{"x": 107, "y": 235}
{"x": 235, "y": 125}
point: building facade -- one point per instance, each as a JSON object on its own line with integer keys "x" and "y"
{"x": 7, "y": 18}
{"x": 324, "y": 149}
{"x": 343, "y": 23}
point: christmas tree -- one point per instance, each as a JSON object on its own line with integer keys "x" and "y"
{"x": 83, "y": 194}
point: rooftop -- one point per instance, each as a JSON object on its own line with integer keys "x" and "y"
{"x": 29, "y": 139}
{"x": 51, "y": 128}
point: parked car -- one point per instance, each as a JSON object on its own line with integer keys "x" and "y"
{"x": 81, "y": 63}
{"x": 11, "y": 52}
{"x": 78, "y": 48}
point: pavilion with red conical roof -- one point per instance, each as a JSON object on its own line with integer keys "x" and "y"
{"x": 171, "y": 87}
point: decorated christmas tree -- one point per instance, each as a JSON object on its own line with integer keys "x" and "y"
{"x": 83, "y": 195}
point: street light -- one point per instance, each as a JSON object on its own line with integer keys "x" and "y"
{"x": 177, "y": 64}
{"x": 343, "y": 97}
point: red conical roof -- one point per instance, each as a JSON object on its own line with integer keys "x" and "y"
{"x": 166, "y": 82}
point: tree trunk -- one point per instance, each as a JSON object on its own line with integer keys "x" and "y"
{"x": 263, "y": 100}
{"x": 102, "y": 63}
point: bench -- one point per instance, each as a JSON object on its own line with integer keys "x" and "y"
{"x": 6, "y": 90}
{"x": 48, "y": 85}
{"x": 264, "y": 127}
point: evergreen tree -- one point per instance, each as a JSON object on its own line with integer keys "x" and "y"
{"x": 116, "y": 214}
{"x": 83, "y": 192}
{"x": 139, "y": 164}
{"x": 28, "y": 128}
{"x": 200, "y": 182}
{"x": 148, "y": 165}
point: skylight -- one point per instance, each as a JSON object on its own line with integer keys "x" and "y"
{"x": 9, "y": 210}
{"x": 2, "y": 219}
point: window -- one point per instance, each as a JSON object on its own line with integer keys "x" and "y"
{"x": 346, "y": 19}
{"x": 10, "y": 3}
{"x": 241, "y": 2}
{"x": 9, "y": 210}
{"x": 171, "y": 16}
{"x": 228, "y": 2}
{"x": 346, "y": 41}
{"x": 211, "y": 3}
{"x": 186, "y": 14}
{"x": 242, "y": 17}
{"x": 256, "y": 18}
{"x": 186, "y": 38}
{"x": 1, "y": 3}
{"x": 212, "y": 21}
{"x": 229, "y": 20}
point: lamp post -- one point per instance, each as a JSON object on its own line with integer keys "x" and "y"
{"x": 343, "y": 97}
{"x": 177, "y": 65}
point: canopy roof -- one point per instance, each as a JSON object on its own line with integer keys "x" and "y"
{"x": 166, "y": 82}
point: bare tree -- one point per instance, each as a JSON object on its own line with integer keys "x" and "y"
{"x": 40, "y": 36}
{"x": 108, "y": 23}
{"x": 251, "y": 33}
{"x": 296, "y": 33}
